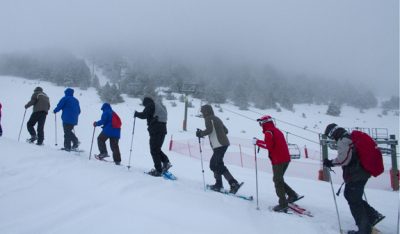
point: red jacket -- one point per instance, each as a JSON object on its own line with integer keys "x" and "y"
{"x": 276, "y": 144}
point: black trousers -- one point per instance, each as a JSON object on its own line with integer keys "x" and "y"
{"x": 156, "y": 142}
{"x": 281, "y": 188}
{"x": 217, "y": 160}
{"x": 69, "y": 136}
{"x": 362, "y": 212}
{"x": 1, "y": 130}
{"x": 39, "y": 118}
{"x": 101, "y": 143}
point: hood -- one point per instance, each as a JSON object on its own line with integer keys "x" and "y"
{"x": 106, "y": 106}
{"x": 69, "y": 92}
{"x": 268, "y": 126}
{"x": 206, "y": 110}
{"x": 38, "y": 89}
{"x": 147, "y": 101}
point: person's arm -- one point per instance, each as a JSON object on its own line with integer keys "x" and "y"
{"x": 344, "y": 153}
{"x": 103, "y": 120}
{"x": 147, "y": 112}
{"x": 32, "y": 101}
{"x": 209, "y": 128}
{"x": 267, "y": 142}
{"x": 60, "y": 105}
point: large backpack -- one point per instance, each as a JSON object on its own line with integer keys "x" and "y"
{"x": 116, "y": 121}
{"x": 160, "y": 112}
{"x": 368, "y": 152}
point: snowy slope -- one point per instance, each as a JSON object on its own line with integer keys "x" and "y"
{"x": 44, "y": 190}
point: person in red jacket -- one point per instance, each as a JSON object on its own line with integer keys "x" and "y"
{"x": 278, "y": 150}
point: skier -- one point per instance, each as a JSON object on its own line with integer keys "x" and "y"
{"x": 355, "y": 178}
{"x": 217, "y": 133}
{"x": 41, "y": 105}
{"x": 111, "y": 125}
{"x": 70, "y": 112}
{"x": 156, "y": 115}
{"x": 1, "y": 130}
{"x": 278, "y": 150}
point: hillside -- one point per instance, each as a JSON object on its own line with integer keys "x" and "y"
{"x": 45, "y": 190}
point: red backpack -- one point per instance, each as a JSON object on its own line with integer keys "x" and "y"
{"x": 116, "y": 121}
{"x": 368, "y": 152}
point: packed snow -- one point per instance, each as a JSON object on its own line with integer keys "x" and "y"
{"x": 45, "y": 190}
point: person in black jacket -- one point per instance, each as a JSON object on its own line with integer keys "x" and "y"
{"x": 156, "y": 115}
{"x": 41, "y": 105}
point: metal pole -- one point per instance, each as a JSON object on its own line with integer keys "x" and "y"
{"x": 130, "y": 151}
{"x": 202, "y": 168}
{"x": 20, "y": 130}
{"x": 91, "y": 145}
{"x": 326, "y": 174}
{"x": 255, "y": 159}
{"x": 334, "y": 198}
{"x": 55, "y": 128}
{"x": 185, "y": 116}
{"x": 395, "y": 170}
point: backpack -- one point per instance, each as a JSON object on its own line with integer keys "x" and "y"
{"x": 160, "y": 112}
{"x": 116, "y": 121}
{"x": 368, "y": 152}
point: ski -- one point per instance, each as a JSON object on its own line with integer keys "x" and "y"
{"x": 300, "y": 210}
{"x": 226, "y": 192}
{"x": 169, "y": 176}
{"x": 287, "y": 211}
{"x": 166, "y": 175}
{"x": 102, "y": 159}
{"x": 73, "y": 150}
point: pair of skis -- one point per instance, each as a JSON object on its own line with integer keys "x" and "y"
{"x": 226, "y": 192}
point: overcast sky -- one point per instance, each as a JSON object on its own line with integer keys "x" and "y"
{"x": 338, "y": 39}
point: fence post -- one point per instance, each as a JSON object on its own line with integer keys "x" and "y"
{"x": 241, "y": 157}
{"x": 323, "y": 173}
{"x": 170, "y": 143}
{"x": 190, "y": 153}
{"x": 305, "y": 151}
{"x": 394, "y": 172}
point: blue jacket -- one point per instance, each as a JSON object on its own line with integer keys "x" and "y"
{"x": 70, "y": 107}
{"x": 106, "y": 122}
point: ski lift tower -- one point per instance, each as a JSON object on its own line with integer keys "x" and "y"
{"x": 187, "y": 88}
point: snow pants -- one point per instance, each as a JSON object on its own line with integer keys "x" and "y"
{"x": 156, "y": 142}
{"x": 39, "y": 118}
{"x": 281, "y": 188}
{"x": 362, "y": 212}
{"x": 69, "y": 136}
{"x": 101, "y": 142}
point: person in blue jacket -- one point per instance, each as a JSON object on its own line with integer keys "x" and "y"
{"x": 111, "y": 125}
{"x": 70, "y": 113}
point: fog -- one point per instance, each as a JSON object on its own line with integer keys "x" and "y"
{"x": 356, "y": 40}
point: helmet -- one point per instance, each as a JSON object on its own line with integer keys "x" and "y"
{"x": 264, "y": 119}
{"x": 330, "y": 129}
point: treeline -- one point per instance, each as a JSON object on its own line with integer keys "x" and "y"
{"x": 244, "y": 85}
{"x": 59, "y": 67}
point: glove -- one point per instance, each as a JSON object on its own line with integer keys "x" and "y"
{"x": 94, "y": 124}
{"x": 254, "y": 141}
{"x": 54, "y": 112}
{"x": 135, "y": 115}
{"x": 328, "y": 163}
{"x": 26, "y": 106}
{"x": 198, "y": 133}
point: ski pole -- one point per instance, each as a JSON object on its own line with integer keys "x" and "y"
{"x": 255, "y": 159}
{"x": 130, "y": 151}
{"x": 91, "y": 145}
{"x": 20, "y": 130}
{"x": 55, "y": 128}
{"x": 202, "y": 168}
{"x": 334, "y": 198}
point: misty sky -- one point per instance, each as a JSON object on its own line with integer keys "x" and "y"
{"x": 336, "y": 39}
